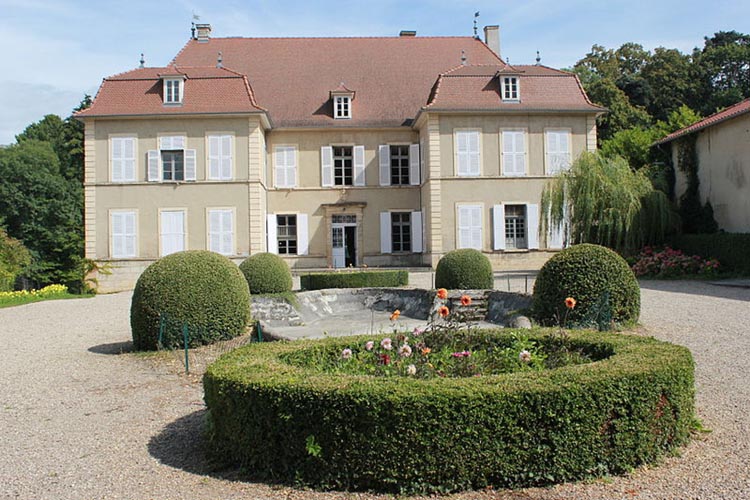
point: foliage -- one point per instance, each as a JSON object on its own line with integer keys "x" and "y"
{"x": 200, "y": 288}
{"x": 354, "y": 279}
{"x": 622, "y": 113}
{"x": 696, "y": 217}
{"x": 267, "y": 273}
{"x": 586, "y": 273}
{"x": 669, "y": 263}
{"x": 723, "y": 70}
{"x": 14, "y": 257}
{"x": 464, "y": 269}
{"x": 728, "y": 248}
{"x": 632, "y": 144}
{"x": 608, "y": 204}
{"x": 292, "y": 422}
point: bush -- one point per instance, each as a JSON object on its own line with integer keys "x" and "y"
{"x": 593, "y": 275}
{"x": 465, "y": 269}
{"x": 669, "y": 263}
{"x": 354, "y": 279}
{"x": 286, "y": 421}
{"x": 728, "y": 248}
{"x": 200, "y": 288}
{"x": 267, "y": 273}
{"x": 14, "y": 257}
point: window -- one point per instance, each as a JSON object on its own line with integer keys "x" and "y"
{"x": 123, "y": 159}
{"x": 172, "y": 162}
{"x": 399, "y": 165}
{"x": 172, "y": 231}
{"x": 514, "y": 152}
{"x": 401, "y": 231}
{"x": 469, "y": 226}
{"x": 558, "y": 151}
{"x": 343, "y": 166}
{"x": 467, "y": 153}
{"x": 510, "y": 88}
{"x": 342, "y": 106}
{"x": 285, "y": 163}
{"x": 221, "y": 231}
{"x": 123, "y": 234}
{"x": 173, "y": 91}
{"x": 219, "y": 157}
{"x": 286, "y": 231}
{"x": 515, "y": 226}
{"x": 173, "y": 165}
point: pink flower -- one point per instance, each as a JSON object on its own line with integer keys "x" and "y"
{"x": 418, "y": 331}
{"x": 369, "y": 345}
{"x": 462, "y": 354}
{"x": 346, "y": 354}
{"x": 524, "y": 356}
{"x": 386, "y": 344}
{"x": 411, "y": 370}
{"x": 404, "y": 351}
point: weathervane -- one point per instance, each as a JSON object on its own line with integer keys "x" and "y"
{"x": 192, "y": 29}
{"x": 476, "y": 15}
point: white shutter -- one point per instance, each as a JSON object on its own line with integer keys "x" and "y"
{"x": 172, "y": 232}
{"x": 326, "y": 166}
{"x": 473, "y": 143}
{"x": 190, "y": 164}
{"x": 303, "y": 239}
{"x": 416, "y": 232}
{"x": 498, "y": 223}
{"x": 273, "y": 242}
{"x": 414, "y": 165}
{"x": 291, "y": 167}
{"x": 470, "y": 226}
{"x": 118, "y": 230}
{"x": 123, "y": 159}
{"x": 385, "y": 232}
{"x": 285, "y": 166}
{"x": 221, "y": 231}
{"x": 384, "y": 160}
{"x": 226, "y": 157}
{"x": 532, "y": 225}
{"x": 153, "y": 166}
{"x": 514, "y": 152}
{"x": 555, "y": 234}
{"x": 214, "y": 231}
{"x": 214, "y": 157}
{"x": 462, "y": 152}
{"x": 359, "y": 165}
{"x": 558, "y": 150}
{"x": 172, "y": 142}
{"x": 130, "y": 234}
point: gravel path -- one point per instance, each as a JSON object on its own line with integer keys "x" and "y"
{"x": 80, "y": 420}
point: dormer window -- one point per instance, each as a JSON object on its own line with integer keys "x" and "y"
{"x": 510, "y": 88}
{"x": 342, "y": 107}
{"x": 174, "y": 88}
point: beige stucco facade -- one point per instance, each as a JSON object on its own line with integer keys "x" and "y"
{"x": 723, "y": 152}
{"x": 253, "y": 192}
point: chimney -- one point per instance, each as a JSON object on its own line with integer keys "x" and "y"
{"x": 492, "y": 38}
{"x": 203, "y": 32}
{"x": 407, "y": 33}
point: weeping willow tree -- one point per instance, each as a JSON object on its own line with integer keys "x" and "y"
{"x": 602, "y": 200}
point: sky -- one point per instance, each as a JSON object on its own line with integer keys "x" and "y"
{"x": 56, "y": 51}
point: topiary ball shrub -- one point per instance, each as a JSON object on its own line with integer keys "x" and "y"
{"x": 465, "y": 269}
{"x": 267, "y": 273}
{"x": 199, "y": 288}
{"x": 600, "y": 281}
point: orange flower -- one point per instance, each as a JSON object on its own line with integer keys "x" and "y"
{"x": 465, "y": 300}
{"x": 570, "y": 302}
{"x": 426, "y": 351}
{"x": 443, "y": 311}
{"x": 395, "y": 315}
{"x": 442, "y": 293}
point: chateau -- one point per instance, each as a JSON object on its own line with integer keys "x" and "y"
{"x": 331, "y": 152}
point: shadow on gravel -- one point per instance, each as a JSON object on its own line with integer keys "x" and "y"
{"x": 694, "y": 287}
{"x": 113, "y": 348}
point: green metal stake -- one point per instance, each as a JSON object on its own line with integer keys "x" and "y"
{"x": 260, "y": 332}
{"x": 185, "y": 335}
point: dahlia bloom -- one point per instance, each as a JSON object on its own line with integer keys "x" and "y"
{"x": 386, "y": 344}
{"x": 346, "y": 354}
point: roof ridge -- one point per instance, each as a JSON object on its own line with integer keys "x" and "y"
{"x": 732, "y": 111}
{"x": 180, "y": 51}
{"x": 381, "y": 37}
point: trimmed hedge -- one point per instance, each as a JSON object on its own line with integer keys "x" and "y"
{"x": 201, "y": 288}
{"x": 587, "y": 273}
{"x": 354, "y": 279}
{"x": 267, "y": 273}
{"x": 465, "y": 269}
{"x": 294, "y": 424}
{"x": 731, "y": 249}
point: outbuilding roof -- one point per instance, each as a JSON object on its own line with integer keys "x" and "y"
{"x": 734, "y": 111}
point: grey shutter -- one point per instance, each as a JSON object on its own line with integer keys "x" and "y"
{"x": 385, "y": 232}
{"x": 416, "y": 232}
{"x": 190, "y": 167}
{"x": 153, "y": 166}
{"x": 359, "y": 165}
{"x": 498, "y": 223}
{"x": 303, "y": 238}
{"x": 414, "y": 165}
{"x": 532, "y": 225}
{"x": 384, "y": 157}
{"x": 326, "y": 166}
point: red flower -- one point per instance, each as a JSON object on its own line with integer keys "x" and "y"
{"x": 570, "y": 302}
{"x": 465, "y": 300}
{"x": 385, "y": 359}
{"x": 442, "y": 293}
{"x": 443, "y": 311}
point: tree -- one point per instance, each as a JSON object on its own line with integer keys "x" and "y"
{"x": 670, "y": 77}
{"x": 14, "y": 257}
{"x": 723, "y": 70}
{"x": 607, "y": 203}
{"x": 622, "y": 114}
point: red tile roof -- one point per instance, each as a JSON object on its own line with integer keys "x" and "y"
{"x": 734, "y": 111}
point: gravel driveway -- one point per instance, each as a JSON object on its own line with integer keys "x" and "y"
{"x": 80, "y": 420}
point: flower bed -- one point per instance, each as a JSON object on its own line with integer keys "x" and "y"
{"x": 26, "y": 296}
{"x": 289, "y": 412}
{"x": 669, "y": 263}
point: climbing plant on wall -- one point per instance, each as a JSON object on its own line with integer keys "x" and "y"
{"x": 696, "y": 217}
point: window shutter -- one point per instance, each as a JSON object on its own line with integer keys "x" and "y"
{"x": 227, "y": 230}
{"x": 473, "y": 143}
{"x": 462, "y": 152}
{"x": 214, "y": 157}
{"x": 291, "y": 167}
{"x": 273, "y": 242}
{"x": 385, "y": 232}
{"x": 470, "y": 226}
{"x": 303, "y": 238}
{"x": 226, "y": 157}
{"x": 498, "y": 222}
{"x": 214, "y": 231}
{"x": 153, "y": 166}
{"x": 359, "y": 165}
{"x": 190, "y": 164}
{"x": 279, "y": 162}
{"x": 414, "y": 165}
{"x": 532, "y": 225}
{"x": 554, "y": 234}
{"x": 172, "y": 232}
{"x": 514, "y": 152}
{"x": 384, "y": 157}
{"x": 117, "y": 235}
{"x": 123, "y": 159}
{"x": 416, "y": 232}
{"x": 326, "y": 166}
{"x": 558, "y": 150}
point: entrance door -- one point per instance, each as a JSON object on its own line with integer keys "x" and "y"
{"x": 350, "y": 246}
{"x": 339, "y": 256}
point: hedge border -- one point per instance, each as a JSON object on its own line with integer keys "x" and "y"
{"x": 295, "y": 425}
{"x": 730, "y": 249}
{"x": 354, "y": 279}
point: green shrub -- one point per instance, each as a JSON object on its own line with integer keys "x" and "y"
{"x": 465, "y": 269}
{"x": 354, "y": 279}
{"x": 283, "y": 421}
{"x": 596, "y": 277}
{"x": 730, "y": 249}
{"x": 200, "y": 288}
{"x": 14, "y": 257}
{"x": 267, "y": 273}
